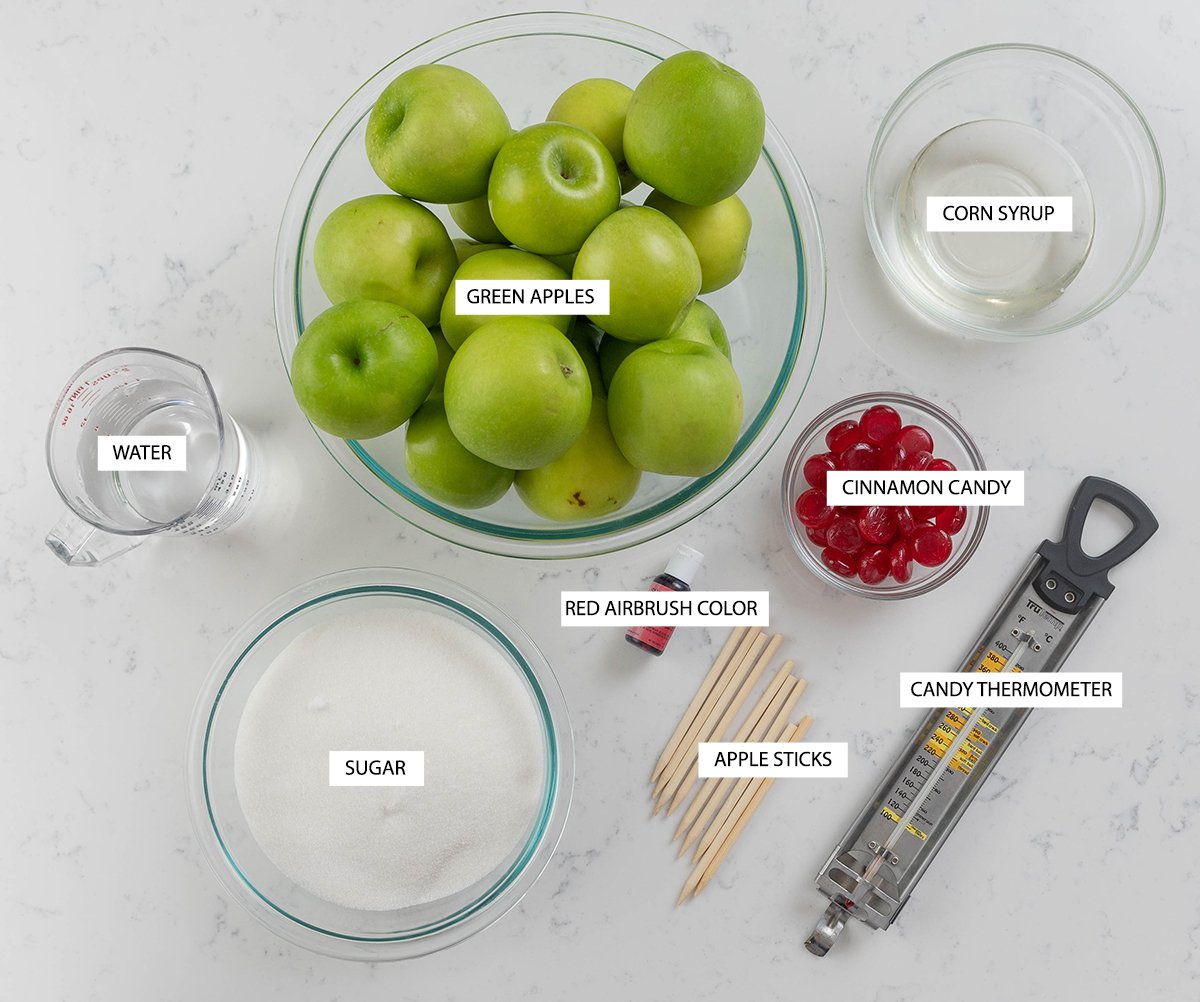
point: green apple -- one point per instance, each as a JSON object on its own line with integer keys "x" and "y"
{"x": 386, "y": 248}
{"x": 444, "y": 353}
{"x": 433, "y": 134}
{"x": 443, "y": 468}
{"x": 474, "y": 219}
{"x": 591, "y": 479}
{"x": 503, "y": 264}
{"x": 469, "y": 248}
{"x": 599, "y": 105}
{"x": 652, "y": 271}
{"x": 675, "y": 407}
{"x": 550, "y": 185}
{"x": 584, "y": 337}
{"x": 612, "y": 351}
{"x": 694, "y": 129}
{"x": 700, "y": 323}
{"x": 360, "y": 369}
{"x": 517, "y": 393}
{"x": 719, "y": 233}
{"x": 565, "y": 261}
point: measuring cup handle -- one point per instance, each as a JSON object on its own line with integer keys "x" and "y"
{"x": 1075, "y": 572}
{"x": 78, "y": 544}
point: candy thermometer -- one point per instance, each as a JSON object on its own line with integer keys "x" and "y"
{"x": 878, "y": 862}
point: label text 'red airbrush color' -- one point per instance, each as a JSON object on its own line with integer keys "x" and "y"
{"x": 692, "y": 608}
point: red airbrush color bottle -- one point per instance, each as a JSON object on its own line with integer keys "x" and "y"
{"x": 677, "y": 577}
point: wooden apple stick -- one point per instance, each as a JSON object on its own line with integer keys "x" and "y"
{"x": 755, "y": 798}
{"x": 778, "y": 726}
{"x": 712, "y": 791}
{"x": 744, "y": 646}
{"x": 735, "y": 825}
{"x": 718, "y": 666}
{"x": 721, "y": 729}
{"x": 749, "y": 649}
{"x": 686, "y": 754}
{"x": 676, "y": 769}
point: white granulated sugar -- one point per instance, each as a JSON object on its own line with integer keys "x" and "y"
{"x": 404, "y": 680}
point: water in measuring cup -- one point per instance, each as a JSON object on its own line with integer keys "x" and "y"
{"x": 997, "y": 275}
{"x": 215, "y": 488}
{"x": 165, "y": 495}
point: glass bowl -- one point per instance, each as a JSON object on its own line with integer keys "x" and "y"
{"x": 248, "y": 874}
{"x": 773, "y": 312}
{"x": 1080, "y": 111}
{"x": 950, "y": 441}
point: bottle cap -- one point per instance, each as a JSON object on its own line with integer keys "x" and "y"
{"x": 685, "y": 563}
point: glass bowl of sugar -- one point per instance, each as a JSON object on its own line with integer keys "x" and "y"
{"x": 379, "y": 764}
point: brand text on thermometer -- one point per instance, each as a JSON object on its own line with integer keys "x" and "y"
{"x": 995, "y": 488}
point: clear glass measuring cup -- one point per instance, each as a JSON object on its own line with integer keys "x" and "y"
{"x": 143, "y": 391}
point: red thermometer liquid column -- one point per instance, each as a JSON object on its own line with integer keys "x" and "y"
{"x": 677, "y": 577}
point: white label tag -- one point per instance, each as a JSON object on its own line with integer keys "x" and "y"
{"x": 666, "y": 608}
{"x": 781, "y": 759}
{"x": 141, "y": 452}
{"x": 987, "y": 488}
{"x": 376, "y": 768}
{"x": 1100, "y": 690}
{"x": 998, "y": 214}
{"x": 530, "y": 297}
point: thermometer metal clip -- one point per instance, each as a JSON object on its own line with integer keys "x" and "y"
{"x": 878, "y": 862}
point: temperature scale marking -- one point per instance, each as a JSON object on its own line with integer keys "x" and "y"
{"x": 895, "y": 819}
{"x": 947, "y": 730}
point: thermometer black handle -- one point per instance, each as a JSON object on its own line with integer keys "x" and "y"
{"x": 1070, "y": 578}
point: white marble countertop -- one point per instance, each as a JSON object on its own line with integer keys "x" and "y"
{"x": 146, "y": 151}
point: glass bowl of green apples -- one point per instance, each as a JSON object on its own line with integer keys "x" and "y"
{"x": 484, "y": 169}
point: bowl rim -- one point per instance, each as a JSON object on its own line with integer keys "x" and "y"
{"x": 559, "y": 540}
{"x": 549, "y": 823}
{"x": 955, "y": 322}
{"x": 795, "y": 461}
